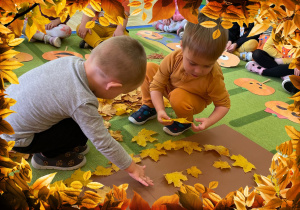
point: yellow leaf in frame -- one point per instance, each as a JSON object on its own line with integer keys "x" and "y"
{"x": 216, "y": 34}
{"x": 30, "y": 30}
{"x": 209, "y": 24}
{"x": 8, "y": 54}
{"x": 226, "y": 24}
{"x": 88, "y": 12}
{"x": 136, "y": 12}
{"x": 258, "y": 28}
{"x": 87, "y": 175}
{"x": 10, "y": 76}
{"x": 94, "y": 185}
{"x": 4, "y": 29}
{"x": 286, "y": 28}
{"x": 90, "y": 24}
{"x": 88, "y": 203}
{"x": 214, "y": 197}
{"x": 144, "y": 16}
{"x": 296, "y": 19}
{"x": 95, "y": 5}
{"x": 15, "y": 42}
{"x": 120, "y": 20}
{"x": 273, "y": 204}
{"x": 135, "y": 4}
{"x": 213, "y": 184}
{"x": 103, "y": 21}
{"x": 6, "y": 128}
{"x": 76, "y": 185}
{"x": 111, "y": 19}
{"x": 43, "y": 181}
{"x": 207, "y": 203}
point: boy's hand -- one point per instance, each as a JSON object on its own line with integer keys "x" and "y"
{"x": 82, "y": 30}
{"x": 204, "y": 124}
{"x": 163, "y": 115}
{"x": 138, "y": 173}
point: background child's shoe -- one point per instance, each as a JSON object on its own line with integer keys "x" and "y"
{"x": 141, "y": 116}
{"x": 176, "y": 128}
{"x": 67, "y": 161}
{"x": 55, "y": 41}
{"x": 289, "y": 87}
{"x": 254, "y": 67}
{"x": 83, "y": 44}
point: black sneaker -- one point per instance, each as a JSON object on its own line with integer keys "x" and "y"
{"x": 83, "y": 44}
{"x": 176, "y": 128}
{"x": 67, "y": 161}
{"x": 81, "y": 149}
{"x": 289, "y": 87}
{"x": 141, "y": 116}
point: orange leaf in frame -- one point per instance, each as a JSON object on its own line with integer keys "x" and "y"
{"x": 138, "y": 202}
{"x": 273, "y": 204}
{"x": 215, "y": 6}
{"x": 4, "y": 29}
{"x": 135, "y": 4}
{"x": 208, "y": 204}
{"x": 289, "y": 4}
{"x": 103, "y": 21}
{"x": 189, "y": 10}
{"x": 226, "y": 24}
{"x": 209, "y": 24}
{"x": 43, "y": 181}
{"x": 17, "y": 26}
{"x": 148, "y": 5}
{"x": 113, "y": 8}
{"x": 258, "y": 28}
{"x": 159, "y": 203}
{"x": 163, "y": 9}
{"x": 95, "y": 5}
{"x": 297, "y": 19}
{"x": 210, "y": 13}
{"x": 235, "y": 10}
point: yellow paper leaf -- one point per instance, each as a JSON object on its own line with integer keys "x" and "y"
{"x": 90, "y": 24}
{"x": 209, "y": 24}
{"x": 221, "y": 164}
{"x": 88, "y": 12}
{"x": 258, "y": 28}
{"x": 219, "y": 149}
{"x": 242, "y": 162}
{"x": 188, "y": 146}
{"x": 77, "y": 176}
{"x": 274, "y": 203}
{"x": 144, "y": 16}
{"x": 103, "y": 21}
{"x": 136, "y": 12}
{"x": 111, "y": 19}
{"x": 87, "y": 175}
{"x": 216, "y": 34}
{"x": 30, "y": 30}
{"x": 43, "y": 181}
{"x": 76, "y": 185}
{"x": 148, "y": 5}
{"x": 152, "y": 153}
{"x": 4, "y": 29}
{"x": 292, "y": 132}
{"x": 175, "y": 178}
{"x": 144, "y": 136}
{"x": 102, "y": 171}
{"x": 180, "y": 120}
{"x": 167, "y": 145}
{"x": 194, "y": 171}
{"x": 213, "y": 185}
{"x": 88, "y": 203}
{"x": 226, "y": 24}
{"x": 135, "y": 4}
{"x": 95, "y": 5}
{"x": 94, "y": 185}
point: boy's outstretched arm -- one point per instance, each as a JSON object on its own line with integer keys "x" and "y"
{"x": 158, "y": 102}
{"x": 138, "y": 173}
{"x": 218, "y": 113}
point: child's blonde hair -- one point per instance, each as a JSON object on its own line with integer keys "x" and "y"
{"x": 122, "y": 58}
{"x": 200, "y": 40}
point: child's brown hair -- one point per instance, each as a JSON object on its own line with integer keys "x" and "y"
{"x": 200, "y": 40}
{"x": 122, "y": 58}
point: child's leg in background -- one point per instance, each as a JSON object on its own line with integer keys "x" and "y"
{"x": 61, "y": 31}
{"x": 264, "y": 59}
{"x": 278, "y": 71}
{"x": 99, "y": 34}
{"x": 248, "y": 46}
{"x": 186, "y": 104}
{"x": 58, "y": 139}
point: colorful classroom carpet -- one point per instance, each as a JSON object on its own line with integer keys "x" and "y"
{"x": 246, "y": 116}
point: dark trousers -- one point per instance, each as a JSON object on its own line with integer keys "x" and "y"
{"x": 272, "y": 68}
{"x": 60, "y": 138}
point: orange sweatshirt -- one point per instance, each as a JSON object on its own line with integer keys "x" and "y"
{"x": 171, "y": 75}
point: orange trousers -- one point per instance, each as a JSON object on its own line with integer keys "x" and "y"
{"x": 99, "y": 34}
{"x": 184, "y": 103}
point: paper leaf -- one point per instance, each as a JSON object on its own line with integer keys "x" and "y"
{"x": 103, "y": 21}
{"x": 216, "y": 34}
{"x": 90, "y": 24}
{"x": 188, "y": 146}
{"x": 175, "y": 178}
{"x": 43, "y": 181}
{"x": 102, "y": 171}
{"x": 144, "y": 136}
{"x": 167, "y": 145}
{"x": 213, "y": 185}
{"x": 292, "y": 132}
{"x": 116, "y": 135}
{"x": 135, "y": 4}
{"x": 209, "y": 24}
{"x": 152, "y": 153}
{"x": 163, "y": 9}
{"x": 77, "y": 176}
{"x": 219, "y": 149}
{"x": 94, "y": 185}
{"x": 221, "y": 164}
{"x": 194, "y": 171}
{"x": 242, "y": 162}
{"x": 136, "y": 12}
{"x": 88, "y": 12}
{"x": 180, "y": 120}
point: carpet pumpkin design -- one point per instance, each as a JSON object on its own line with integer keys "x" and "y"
{"x": 52, "y": 55}
{"x": 228, "y": 60}
{"x": 22, "y": 57}
{"x": 254, "y": 86}
{"x": 173, "y": 46}
{"x": 280, "y": 109}
{"x": 150, "y": 34}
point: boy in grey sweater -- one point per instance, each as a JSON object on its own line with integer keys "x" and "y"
{"x": 57, "y": 106}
